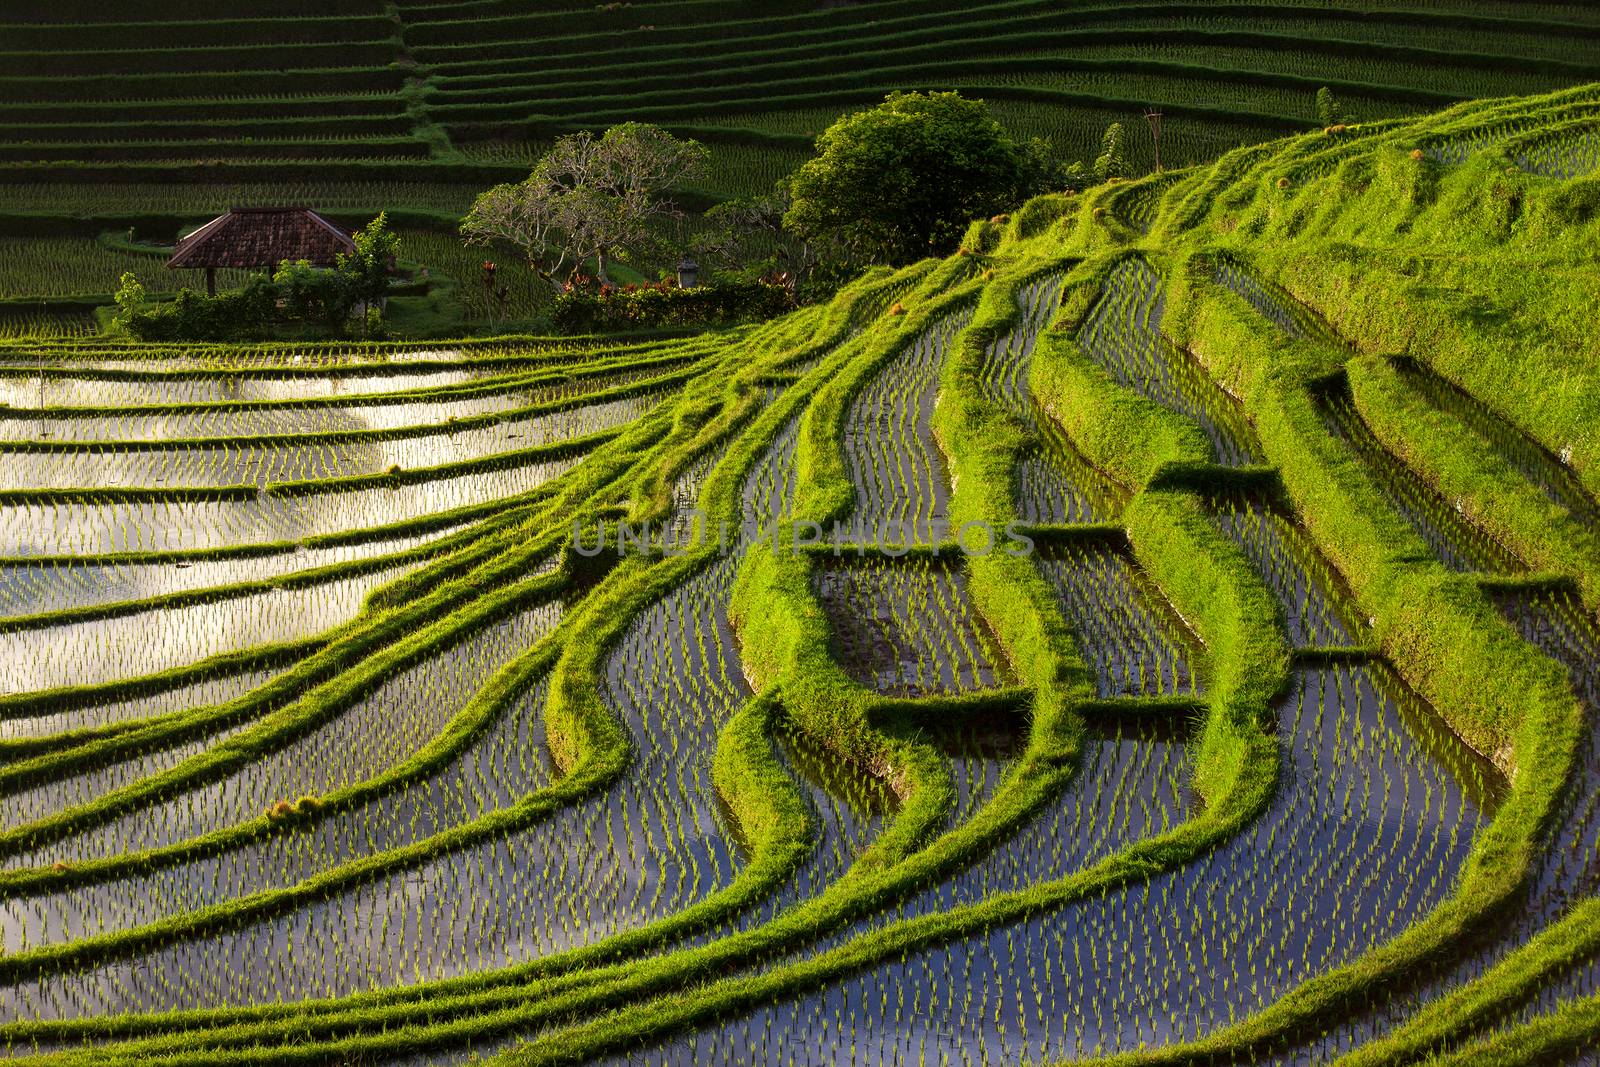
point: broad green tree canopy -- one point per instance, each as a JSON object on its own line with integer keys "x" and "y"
{"x": 903, "y": 180}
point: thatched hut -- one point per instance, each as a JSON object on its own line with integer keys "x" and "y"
{"x": 252, "y": 238}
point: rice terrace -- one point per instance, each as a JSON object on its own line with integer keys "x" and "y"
{"x": 828, "y": 532}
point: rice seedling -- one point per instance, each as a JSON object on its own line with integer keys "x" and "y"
{"x": 33, "y": 585}
{"x": 849, "y": 810}
{"x": 32, "y": 325}
{"x": 347, "y": 749}
{"x": 1287, "y": 313}
{"x": 641, "y": 871}
{"x": 1004, "y": 374}
{"x": 493, "y": 772}
{"x": 1056, "y": 484}
{"x": 96, "y": 710}
{"x": 264, "y": 460}
{"x": 905, "y": 627}
{"x": 768, "y": 494}
{"x": 1565, "y": 153}
{"x": 26, "y": 806}
{"x": 108, "y": 650}
{"x": 1566, "y": 867}
{"x": 245, "y": 422}
{"x": 1534, "y": 462}
{"x": 1135, "y": 645}
{"x": 179, "y": 525}
{"x": 74, "y": 388}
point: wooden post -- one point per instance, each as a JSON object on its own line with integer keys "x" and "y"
{"x": 211, "y": 281}
{"x": 1153, "y": 117}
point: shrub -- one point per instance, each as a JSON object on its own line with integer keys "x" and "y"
{"x": 1112, "y": 162}
{"x": 235, "y": 316}
{"x": 311, "y": 294}
{"x": 584, "y": 308}
{"x": 1329, "y": 111}
{"x": 129, "y": 298}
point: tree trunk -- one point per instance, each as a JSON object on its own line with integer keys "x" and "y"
{"x": 550, "y": 279}
{"x": 600, "y": 267}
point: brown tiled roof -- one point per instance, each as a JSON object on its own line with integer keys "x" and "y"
{"x": 262, "y": 237}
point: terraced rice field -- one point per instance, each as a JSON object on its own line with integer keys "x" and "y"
{"x": 1114, "y": 649}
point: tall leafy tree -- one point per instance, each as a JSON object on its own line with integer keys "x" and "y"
{"x": 903, "y": 180}
{"x": 588, "y": 199}
{"x": 744, "y": 240}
